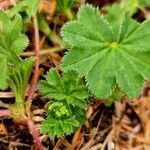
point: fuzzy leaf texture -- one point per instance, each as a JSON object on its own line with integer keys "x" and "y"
{"x": 28, "y": 6}
{"x": 12, "y": 42}
{"x": 62, "y": 119}
{"x": 68, "y": 87}
{"x": 19, "y": 76}
{"x": 69, "y": 98}
{"x": 18, "y": 80}
{"x": 111, "y": 50}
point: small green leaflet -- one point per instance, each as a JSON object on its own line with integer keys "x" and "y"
{"x": 19, "y": 76}
{"x": 12, "y": 42}
{"x": 68, "y": 87}
{"x": 111, "y": 50}
{"x": 60, "y": 120}
{"x": 18, "y": 80}
{"x": 28, "y": 6}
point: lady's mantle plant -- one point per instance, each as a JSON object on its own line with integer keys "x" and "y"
{"x": 15, "y": 72}
{"x": 110, "y": 51}
{"x": 69, "y": 99}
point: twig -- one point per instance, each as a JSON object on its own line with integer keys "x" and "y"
{"x": 108, "y": 138}
{"x": 37, "y": 49}
{"x": 43, "y": 52}
{"x": 7, "y": 95}
{"x": 91, "y": 141}
{"x": 97, "y": 146}
{"x": 17, "y": 144}
{"x": 13, "y": 2}
{"x": 5, "y": 113}
{"x": 59, "y": 142}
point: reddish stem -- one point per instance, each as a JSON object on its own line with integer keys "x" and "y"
{"x": 30, "y": 124}
{"x": 34, "y": 133}
{"x": 37, "y": 54}
{"x": 5, "y": 113}
{"x": 34, "y": 83}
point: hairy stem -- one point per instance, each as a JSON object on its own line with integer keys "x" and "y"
{"x": 34, "y": 134}
{"x": 34, "y": 83}
{"x": 18, "y": 110}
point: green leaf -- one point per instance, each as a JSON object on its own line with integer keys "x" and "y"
{"x": 69, "y": 87}
{"x": 18, "y": 80}
{"x": 43, "y": 25}
{"x": 69, "y": 98}
{"x": 61, "y": 120}
{"x": 4, "y": 69}
{"x": 12, "y": 42}
{"x": 144, "y": 3}
{"x": 65, "y": 7}
{"x": 108, "y": 51}
{"x": 115, "y": 96}
{"x": 58, "y": 127}
{"x": 19, "y": 76}
{"x": 130, "y": 6}
{"x": 28, "y": 6}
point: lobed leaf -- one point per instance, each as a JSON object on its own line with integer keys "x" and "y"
{"x": 62, "y": 119}
{"x": 108, "y": 50}
{"x": 58, "y": 127}
{"x": 12, "y": 42}
{"x": 68, "y": 87}
{"x": 19, "y": 76}
{"x": 66, "y": 112}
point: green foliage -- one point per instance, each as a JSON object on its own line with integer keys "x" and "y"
{"x": 67, "y": 111}
{"x": 43, "y": 25}
{"x": 65, "y": 6}
{"x": 131, "y": 6}
{"x": 12, "y": 42}
{"x": 144, "y": 3}
{"x": 108, "y": 50}
{"x": 115, "y": 96}
{"x": 19, "y": 76}
{"x": 18, "y": 80}
{"x": 45, "y": 28}
{"x": 15, "y": 72}
{"x": 27, "y": 6}
{"x": 60, "y": 120}
{"x": 68, "y": 87}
